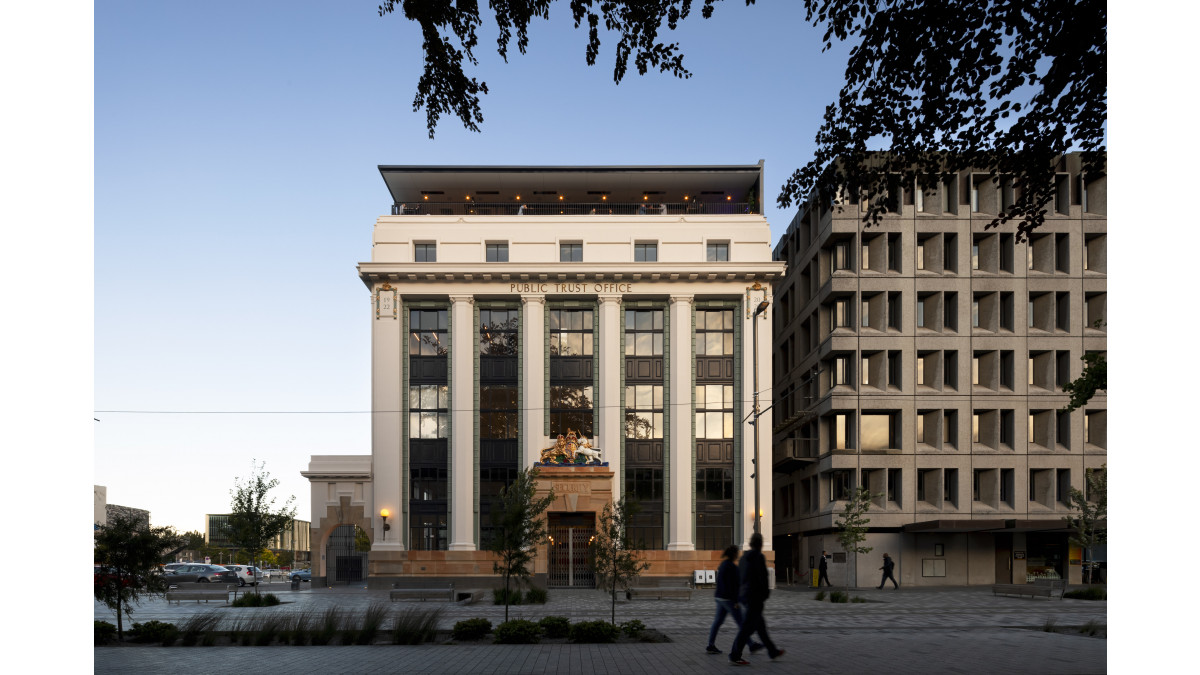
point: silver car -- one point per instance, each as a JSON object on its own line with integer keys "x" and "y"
{"x": 200, "y": 573}
{"x": 247, "y": 574}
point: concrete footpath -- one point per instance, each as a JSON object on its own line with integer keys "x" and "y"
{"x": 945, "y": 630}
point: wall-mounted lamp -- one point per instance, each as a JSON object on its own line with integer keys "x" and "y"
{"x": 384, "y": 513}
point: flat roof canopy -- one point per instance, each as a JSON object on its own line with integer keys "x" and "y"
{"x": 543, "y": 184}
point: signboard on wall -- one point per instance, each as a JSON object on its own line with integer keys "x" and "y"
{"x": 1018, "y": 555}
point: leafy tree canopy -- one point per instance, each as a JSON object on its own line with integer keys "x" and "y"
{"x": 130, "y": 551}
{"x": 1005, "y": 87}
{"x": 1094, "y": 378}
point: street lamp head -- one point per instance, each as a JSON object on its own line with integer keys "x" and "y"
{"x": 762, "y": 307}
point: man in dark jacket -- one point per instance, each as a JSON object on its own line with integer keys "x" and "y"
{"x": 823, "y": 570}
{"x": 888, "y": 566}
{"x": 726, "y": 595}
{"x": 754, "y": 593}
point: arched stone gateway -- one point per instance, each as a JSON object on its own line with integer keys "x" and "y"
{"x": 325, "y": 538}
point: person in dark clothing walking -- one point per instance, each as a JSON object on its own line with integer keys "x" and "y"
{"x": 753, "y": 594}
{"x": 726, "y": 596}
{"x": 888, "y": 566}
{"x": 823, "y": 570}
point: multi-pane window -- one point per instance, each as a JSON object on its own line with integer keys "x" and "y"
{"x": 950, "y": 428}
{"x": 920, "y": 255}
{"x": 428, "y": 330}
{"x": 714, "y": 332}
{"x": 714, "y": 411}
{"x": 714, "y": 484}
{"x": 571, "y": 409}
{"x": 841, "y": 313}
{"x": 841, "y": 371}
{"x": 571, "y": 332}
{"x": 429, "y": 483}
{"x": 950, "y": 486}
{"x": 570, "y": 252}
{"x": 839, "y": 485}
{"x": 424, "y": 252}
{"x": 644, "y": 411}
{"x": 645, "y": 252}
{"x": 429, "y": 411}
{"x": 841, "y": 256}
{"x": 717, "y": 251}
{"x": 497, "y": 411}
{"x": 645, "y": 484}
{"x": 644, "y": 332}
{"x": 878, "y": 431}
{"x": 497, "y": 251}
{"x": 839, "y": 431}
{"x": 498, "y": 332}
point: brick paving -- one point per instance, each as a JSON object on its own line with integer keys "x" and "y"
{"x": 944, "y": 630}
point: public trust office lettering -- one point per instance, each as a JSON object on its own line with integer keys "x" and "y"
{"x": 570, "y": 288}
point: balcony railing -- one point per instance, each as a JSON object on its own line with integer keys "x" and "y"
{"x": 791, "y": 454}
{"x": 572, "y": 209}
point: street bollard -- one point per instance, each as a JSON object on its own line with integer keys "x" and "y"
{"x": 295, "y": 583}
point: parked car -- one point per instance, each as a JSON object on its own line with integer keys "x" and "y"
{"x": 171, "y": 567}
{"x": 247, "y": 574}
{"x": 200, "y": 573}
{"x": 302, "y": 575}
{"x": 106, "y": 575}
{"x": 273, "y": 573}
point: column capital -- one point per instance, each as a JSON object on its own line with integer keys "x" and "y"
{"x": 606, "y": 299}
{"x": 533, "y": 299}
{"x": 681, "y": 298}
{"x": 469, "y": 299}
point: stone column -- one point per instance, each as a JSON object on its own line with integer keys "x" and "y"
{"x": 608, "y": 418}
{"x": 680, "y": 453}
{"x": 533, "y": 383}
{"x": 387, "y": 397}
{"x": 462, "y": 424}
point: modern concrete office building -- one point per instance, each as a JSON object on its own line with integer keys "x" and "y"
{"x": 923, "y": 358}
{"x": 511, "y": 305}
{"x": 294, "y": 539}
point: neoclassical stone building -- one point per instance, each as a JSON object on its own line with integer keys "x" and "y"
{"x": 511, "y": 305}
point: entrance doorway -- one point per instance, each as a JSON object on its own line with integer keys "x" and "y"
{"x": 343, "y": 562}
{"x": 570, "y": 534}
{"x": 1004, "y": 555}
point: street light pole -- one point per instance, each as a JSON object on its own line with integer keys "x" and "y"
{"x": 762, "y": 307}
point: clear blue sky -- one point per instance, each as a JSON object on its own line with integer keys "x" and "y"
{"x": 236, "y": 188}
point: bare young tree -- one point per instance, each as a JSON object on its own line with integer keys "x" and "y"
{"x": 613, "y": 555}
{"x": 517, "y": 527}
{"x": 852, "y": 528}
{"x": 253, "y": 519}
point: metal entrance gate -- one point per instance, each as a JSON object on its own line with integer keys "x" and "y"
{"x": 342, "y": 562}
{"x": 570, "y": 535}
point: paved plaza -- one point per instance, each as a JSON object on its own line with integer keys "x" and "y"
{"x": 953, "y": 630}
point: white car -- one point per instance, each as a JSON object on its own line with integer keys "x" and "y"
{"x": 247, "y": 574}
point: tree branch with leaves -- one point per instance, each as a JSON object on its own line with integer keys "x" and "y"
{"x": 129, "y": 552}
{"x": 1004, "y": 87}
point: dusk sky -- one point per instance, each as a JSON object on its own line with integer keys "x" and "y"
{"x": 237, "y": 147}
{"x": 222, "y": 156}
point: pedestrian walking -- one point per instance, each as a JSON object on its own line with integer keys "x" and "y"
{"x": 823, "y": 570}
{"x": 753, "y": 595}
{"x": 728, "y": 582}
{"x": 888, "y": 566}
